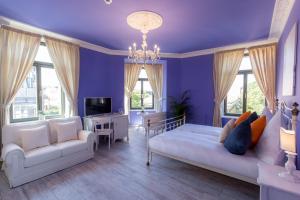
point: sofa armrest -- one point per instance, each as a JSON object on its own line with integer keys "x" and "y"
{"x": 13, "y": 157}
{"x": 89, "y": 138}
{"x": 9, "y": 150}
{"x": 85, "y": 135}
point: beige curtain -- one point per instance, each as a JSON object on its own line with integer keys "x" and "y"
{"x": 18, "y": 51}
{"x": 155, "y": 77}
{"x": 132, "y": 72}
{"x": 226, "y": 67}
{"x": 263, "y": 61}
{"x": 65, "y": 58}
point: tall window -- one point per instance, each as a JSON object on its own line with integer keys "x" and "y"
{"x": 244, "y": 94}
{"x": 41, "y": 93}
{"x": 142, "y": 97}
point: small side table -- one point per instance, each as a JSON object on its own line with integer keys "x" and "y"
{"x": 273, "y": 187}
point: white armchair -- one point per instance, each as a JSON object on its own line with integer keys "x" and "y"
{"x": 22, "y": 166}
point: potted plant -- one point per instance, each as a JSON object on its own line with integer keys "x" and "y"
{"x": 180, "y": 105}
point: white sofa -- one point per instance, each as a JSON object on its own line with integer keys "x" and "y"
{"x": 24, "y": 166}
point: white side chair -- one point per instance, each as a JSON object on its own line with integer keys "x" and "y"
{"x": 102, "y": 126}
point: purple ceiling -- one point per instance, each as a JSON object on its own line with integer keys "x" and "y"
{"x": 188, "y": 24}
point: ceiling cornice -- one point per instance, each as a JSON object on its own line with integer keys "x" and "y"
{"x": 282, "y": 10}
{"x": 281, "y": 13}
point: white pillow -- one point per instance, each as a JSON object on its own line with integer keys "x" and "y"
{"x": 267, "y": 113}
{"x": 34, "y": 137}
{"x": 66, "y": 131}
{"x": 226, "y": 130}
{"x": 268, "y": 147}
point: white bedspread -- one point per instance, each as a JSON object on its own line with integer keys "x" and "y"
{"x": 200, "y": 144}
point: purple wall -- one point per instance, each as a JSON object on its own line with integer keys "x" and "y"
{"x": 100, "y": 75}
{"x": 294, "y": 18}
{"x": 103, "y": 75}
{"x": 197, "y": 76}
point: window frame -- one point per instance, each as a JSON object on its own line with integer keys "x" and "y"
{"x": 245, "y": 74}
{"x": 142, "y": 80}
{"x": 39, "y": 65}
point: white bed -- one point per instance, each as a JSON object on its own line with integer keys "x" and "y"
{"x": 199, "y": 145}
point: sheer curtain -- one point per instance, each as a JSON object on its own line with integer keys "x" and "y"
{"x": 263, "y": 61}
{"x": 18, "y": 51}
{"x": 155, "y": 77}
{"x": 65, "y": 58}
{"x": 226, "y": 67}
{"x": 132, "y": 72}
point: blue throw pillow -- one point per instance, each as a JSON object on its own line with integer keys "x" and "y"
{"x": 252, "y": 117}
{"x": 239, "y": 139}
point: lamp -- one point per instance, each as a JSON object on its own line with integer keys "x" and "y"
{"x": 288, "y": 144}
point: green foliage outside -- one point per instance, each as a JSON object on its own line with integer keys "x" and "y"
{"x": 255, "y": 98}
{"x": 255, "y": 101}
{"x": 136, "y": 100}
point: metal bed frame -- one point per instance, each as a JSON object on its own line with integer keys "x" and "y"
{"x": 289, "y": 113}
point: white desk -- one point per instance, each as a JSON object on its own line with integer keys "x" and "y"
{"x": 119, "y": 124}
{"x": 273, "y": 187}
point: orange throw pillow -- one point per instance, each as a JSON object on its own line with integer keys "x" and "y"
{"x": 257, "y": 129}
{"x": 242, "y": 118}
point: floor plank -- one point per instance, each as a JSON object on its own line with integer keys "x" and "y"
{"x": 121, "y": 173}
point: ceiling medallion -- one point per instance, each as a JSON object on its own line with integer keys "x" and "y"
{"x": 144, "y": 21}
{"x": 108, "y": 2}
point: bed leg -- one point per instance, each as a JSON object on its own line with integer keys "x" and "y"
{"x": 149, "y": 158}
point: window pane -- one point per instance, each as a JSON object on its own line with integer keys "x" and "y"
{"x": 43, "y": 55}
{"x": 255, "y": 98}
{"x": 51, "y": 92}
{"x": 148, "y": 99}
{"x": 25, "y": 104}
{"x": 143, "y": 74}
{"x": 136, "y": 96}
{"x": 235, "y": 96}
{"x": 246, "y": 64}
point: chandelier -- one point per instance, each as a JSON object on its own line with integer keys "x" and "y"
{"x": 144, "y": 21}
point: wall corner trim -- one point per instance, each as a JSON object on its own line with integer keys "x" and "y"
{"x": 281, "y": 13}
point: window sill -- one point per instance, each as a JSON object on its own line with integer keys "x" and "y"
{"x": 138, "y": 110}
{"x": 230, "y": 116}
{"x": 36, "y": 119}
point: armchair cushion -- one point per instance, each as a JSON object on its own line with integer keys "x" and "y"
{"x": 34, "y": 137}
{"x": 72, "y": 146}
{"x": 66, "y": 131}
{"x": 40, "y": 155}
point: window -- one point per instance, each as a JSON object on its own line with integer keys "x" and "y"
{"x": 142, "y": 96}
{"x": 244, "y": 94}
{"x": 40, "y": 94}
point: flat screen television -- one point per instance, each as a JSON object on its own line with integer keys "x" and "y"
{"x": 97, "y": 105}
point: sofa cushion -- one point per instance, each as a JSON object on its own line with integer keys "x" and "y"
{"x": 252, "y": 117}
{"x": 226, "y": 130}
{"x": 34, "y": 137}
{"x": 257, "y": 128}
{"x": 53, "y": 123}
{"x": 66, "y": 131}
{"x": 242, "y": 118}
{"x": 72, "y": 146}
{"x": 239, "y": 139}
{"x": 40, "y": 155}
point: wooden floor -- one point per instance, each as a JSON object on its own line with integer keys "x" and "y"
{"x": 121, "y": 173}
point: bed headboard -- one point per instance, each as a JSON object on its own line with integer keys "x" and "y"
{"x": 289, "y": 115}
{"x": 289, "y": 120}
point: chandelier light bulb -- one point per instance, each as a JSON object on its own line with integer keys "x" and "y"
{"x": 144, "y": 21}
